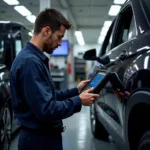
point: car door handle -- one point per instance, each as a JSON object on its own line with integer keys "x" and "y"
{"x": 123, "y": 55}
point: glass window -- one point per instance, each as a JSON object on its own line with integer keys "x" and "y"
{"x": 132, "y": 30}
{"x": 18, "y": 43}
{"x": 25, "y": 37}
{"x": 125, "y": 27}
{"x": 18, "y": 46}
{"x": 106, "y": 46}
{"x": 146, "y": 5}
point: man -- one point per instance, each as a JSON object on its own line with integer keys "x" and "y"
{"x": 38, "y": 107}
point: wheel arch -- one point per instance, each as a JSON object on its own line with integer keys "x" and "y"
{"x": 137, "y": 110}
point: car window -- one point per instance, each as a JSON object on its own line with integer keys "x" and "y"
{"x": 132, "y": 30}
{"x": 125, "y": 27}
{"x": 25, "y": 37}
{"x": 146, "y": 6}
{"x": 18, "y": 43}
{"x": 106, "y": 46}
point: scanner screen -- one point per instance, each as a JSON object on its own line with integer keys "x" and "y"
{"x": 96, "y": 79}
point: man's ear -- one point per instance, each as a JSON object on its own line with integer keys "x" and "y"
{"x": 46, "y": 31}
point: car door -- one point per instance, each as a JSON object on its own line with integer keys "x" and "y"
{"x": 100, "y": 102}
{"x": 123, "y": 36}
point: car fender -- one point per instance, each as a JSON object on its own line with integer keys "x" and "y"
{"x": 138, "y": 97}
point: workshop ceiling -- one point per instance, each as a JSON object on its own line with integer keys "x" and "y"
{"x": 87, "y": 16}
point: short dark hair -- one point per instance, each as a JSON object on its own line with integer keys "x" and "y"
{"x": 50, "y": 17}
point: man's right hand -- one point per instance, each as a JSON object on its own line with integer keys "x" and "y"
{"x": 88, "y": 98}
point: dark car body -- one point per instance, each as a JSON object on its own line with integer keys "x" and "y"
{"x": 13, "y": 36}
{"x": 127, "y": 45}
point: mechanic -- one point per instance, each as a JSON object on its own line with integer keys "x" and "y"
{"x": 39, "y": 109}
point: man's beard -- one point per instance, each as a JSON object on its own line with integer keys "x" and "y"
{"x": 47, "y": 48}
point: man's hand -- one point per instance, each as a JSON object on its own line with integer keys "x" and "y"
{"x": 82, "y": 84}
{"x": 88, "y": 98}
{"x": 121, "y": 95}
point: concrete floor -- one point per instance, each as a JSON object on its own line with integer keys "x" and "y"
{"x": 78, "y": 134}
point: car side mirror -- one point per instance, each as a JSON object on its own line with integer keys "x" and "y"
{"x": 91, "y": 55}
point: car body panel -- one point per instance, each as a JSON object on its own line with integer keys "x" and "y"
{"x": 133, "y": 71}
{"x": 13, "y": 36}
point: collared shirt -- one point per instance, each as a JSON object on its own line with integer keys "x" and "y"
{"x": 35, "y": 102}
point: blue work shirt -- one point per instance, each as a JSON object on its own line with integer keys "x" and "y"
{"x": 35, "y": 102}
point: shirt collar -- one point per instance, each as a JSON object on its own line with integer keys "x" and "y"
{"x": 37, "y": 51}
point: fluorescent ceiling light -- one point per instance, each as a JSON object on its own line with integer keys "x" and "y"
{"x": 31, "y": 18}
{"x": 114, "y": 10}
{"x": 107, "y": 23}
{"x": 78, "y": 33}
{"x": 30, "y": 33}
{"x": 101, "y": 39}
{"x": 103, "y": 33}
{"x": 4, "y": 21}
{"x": 22, "y": 10}
{"x": 104, "y": 29}
{"x": 119, "y": 1}
{"x": 80, "y": 41}
{"x": 11, "y": 2}
{"x": 79, "y": 38}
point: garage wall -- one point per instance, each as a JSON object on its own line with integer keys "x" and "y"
{"x": 81, "y": 49}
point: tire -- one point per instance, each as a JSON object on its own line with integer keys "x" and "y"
{"x": 144, "y": 143}
{"x": 5, "y": 128}
{"x": 97, "y": 128}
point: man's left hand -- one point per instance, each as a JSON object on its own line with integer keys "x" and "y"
{"x": 82, "y": 84}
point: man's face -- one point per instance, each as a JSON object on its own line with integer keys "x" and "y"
{"x": 53, "y": 40}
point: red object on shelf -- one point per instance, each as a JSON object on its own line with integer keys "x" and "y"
{"x": 69, "y": 68}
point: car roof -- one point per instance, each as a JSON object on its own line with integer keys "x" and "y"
{"x": 12, "y": 23}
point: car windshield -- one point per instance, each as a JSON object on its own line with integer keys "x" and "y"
{"x": 146, "y": 5}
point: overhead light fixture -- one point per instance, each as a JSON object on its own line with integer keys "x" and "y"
{"x": 22, "y": 10}
{"x": 114, "y": 10}
{"x": 4, "y": 21}
{"x": 104, "y": 29}
{"x": 101, "y": 39}
{"x": 103, "y": 33}
{"x": 107, "y": 23}
{"x": 30, "y": 33}
{"x": 79, "y": 38}
{"x": 119, "y": 1}
{"x": 31, "y": 18}
{"x": 78, "y": 33}
{"x": 11, "y": 2}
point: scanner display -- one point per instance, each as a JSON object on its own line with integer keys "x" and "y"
{"x": 100, "y": 79}
{"x": 96, "y": 80}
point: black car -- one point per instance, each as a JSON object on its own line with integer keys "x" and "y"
{"x": 125, "y": 51}
{"x": 12, "y": 38}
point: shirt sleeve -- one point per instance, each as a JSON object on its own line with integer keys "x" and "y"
{"x": 68, "y": 93}
{"x": 38, "y": 94}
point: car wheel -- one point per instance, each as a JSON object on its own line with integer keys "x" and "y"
{"x": 144, "y": 143}
{"x": 97, "y": 128}
{"x": 6, "y": 127}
